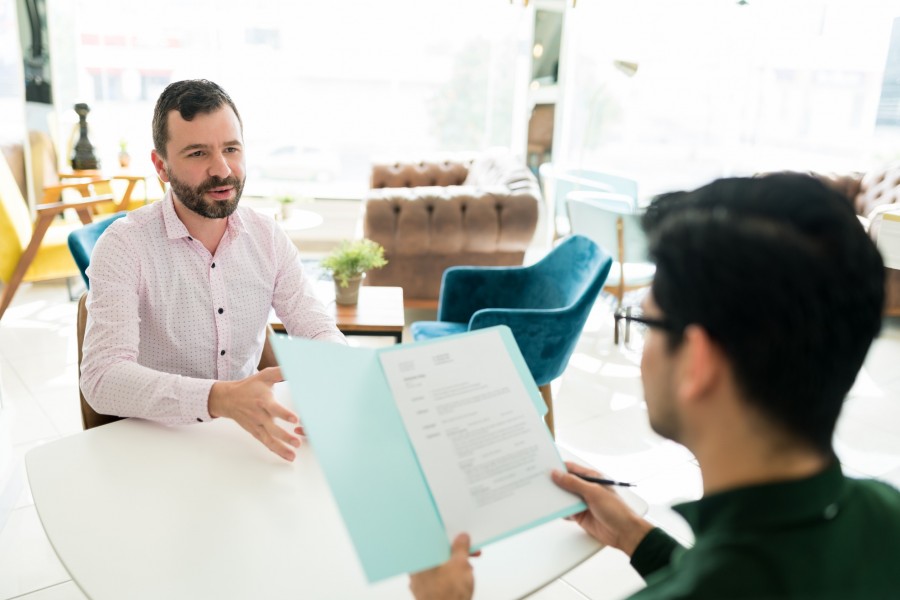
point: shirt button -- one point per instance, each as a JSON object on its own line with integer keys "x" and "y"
{"x": 190, "y": 238}
{"x": 831, "y": 511}
{"x": 221, "y": 310}
{"x": 214, "y": 265}
{"x": 199, "y": 420}
{"x": 222, "y": 353}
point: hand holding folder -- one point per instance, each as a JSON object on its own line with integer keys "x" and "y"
{"x": 444, "y": 436}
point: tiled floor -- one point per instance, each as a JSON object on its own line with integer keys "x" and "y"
{"x": 601, "y": 419}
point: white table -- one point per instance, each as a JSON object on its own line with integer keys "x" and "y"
{"x": 139, "y": 510}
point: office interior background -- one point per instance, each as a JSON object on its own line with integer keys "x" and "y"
{"x": 672, "y": 94}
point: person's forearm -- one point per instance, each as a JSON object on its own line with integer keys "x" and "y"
{"x": 295, "y": 301}
{"x": 653, "y": 552}
{"x": 218, "y": 399}
{"x": 127, "y": 389}
{"x": 633, "y": 535}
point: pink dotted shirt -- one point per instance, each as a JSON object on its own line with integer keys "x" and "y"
{"x": 166, "y": 318}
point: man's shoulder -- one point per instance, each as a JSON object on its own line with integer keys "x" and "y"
{"x": 261, "y": 228}
{"x": 255, "y": 220}
{"x": 140, "y": 217}
{"x": 875, "y": 498}
{"x": 133, "y": 227}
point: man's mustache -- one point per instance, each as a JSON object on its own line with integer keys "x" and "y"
{"x": 217, "y": 182}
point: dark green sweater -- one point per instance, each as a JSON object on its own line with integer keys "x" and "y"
{"x": 825, "y": 537}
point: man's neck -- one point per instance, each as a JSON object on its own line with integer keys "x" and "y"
{"x": 720, "y": 475}
{"x": 753, "y": 460}
{"x": 207, "y": 231}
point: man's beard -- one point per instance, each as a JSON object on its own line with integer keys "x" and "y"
{"x": 193, "y": 199}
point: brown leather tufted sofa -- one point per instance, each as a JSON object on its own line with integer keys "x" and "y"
{"x": 873, "y": 194}
{"x": 431, "y": 215}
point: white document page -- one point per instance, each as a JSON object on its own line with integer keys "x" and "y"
{"x": 484, "y": 451}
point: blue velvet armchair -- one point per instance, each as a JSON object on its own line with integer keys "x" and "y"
{"x": 83, "y": 240}
{"x": 545, "y": 305}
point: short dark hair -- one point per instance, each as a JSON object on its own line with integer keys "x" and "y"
{"x": 783, "y": 277}
{"x": 188, "y": 97}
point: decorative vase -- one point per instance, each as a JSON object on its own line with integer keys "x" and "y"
{"x": 347, "y": 295}
{"x": 83, "y": 157}
{"x": 124, "y": 159}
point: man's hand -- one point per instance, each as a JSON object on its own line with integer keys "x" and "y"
{"x": 250, "y": 402}
{"x": 453, "y": 580}
{"x": 608, "y": 519}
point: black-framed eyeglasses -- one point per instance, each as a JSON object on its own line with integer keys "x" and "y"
{"x": 631, "y": 327}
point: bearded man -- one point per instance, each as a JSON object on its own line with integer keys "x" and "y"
{"x": 181, "y": 290}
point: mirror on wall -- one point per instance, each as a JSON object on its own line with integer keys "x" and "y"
{"x": 545, "y": 51}
{"x": 35, "y": 50}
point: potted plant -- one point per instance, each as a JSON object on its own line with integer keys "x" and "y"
{"x": 348, "y": 264}
{"x": 285, "y": 207}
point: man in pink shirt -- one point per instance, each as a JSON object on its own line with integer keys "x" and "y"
{"x": 181, "y": 290}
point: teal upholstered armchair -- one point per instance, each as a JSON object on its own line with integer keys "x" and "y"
{"x": 545, "y": 305}
{"x": 82, "y": 242}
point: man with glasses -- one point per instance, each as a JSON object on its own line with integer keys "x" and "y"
{"x": 767, "y": 296}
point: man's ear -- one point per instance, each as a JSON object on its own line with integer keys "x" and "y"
{"x": 159, "y": 163}
{"x": 700, "y": 366}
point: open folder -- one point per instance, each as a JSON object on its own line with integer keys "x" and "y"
{"x": 420, "y": 442}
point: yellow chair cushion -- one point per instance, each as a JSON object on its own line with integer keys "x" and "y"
{"x": 53, "y": 260}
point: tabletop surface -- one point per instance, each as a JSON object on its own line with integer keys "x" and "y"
{"x": 379, "y": 309}
{"x": 139, "y": 510}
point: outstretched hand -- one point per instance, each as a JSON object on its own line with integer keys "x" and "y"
{"x": 452, "y": 580}
{"x": 607, "y": 518}
{"x": 252, "y": 405}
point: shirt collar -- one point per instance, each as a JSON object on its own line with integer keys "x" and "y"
{"x": 175, "y": 229}
{"x": 771, "y": 505}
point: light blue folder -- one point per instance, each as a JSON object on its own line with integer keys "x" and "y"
{"x": 352, "y": 422}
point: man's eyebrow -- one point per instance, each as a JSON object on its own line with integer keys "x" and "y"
{"x": 193, "y": 147}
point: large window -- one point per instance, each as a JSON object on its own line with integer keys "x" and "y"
{"x": 323, "y": 87}
{"x": 726, "y": 88}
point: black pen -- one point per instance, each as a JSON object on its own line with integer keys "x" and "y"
{"x": 603, "y": 481}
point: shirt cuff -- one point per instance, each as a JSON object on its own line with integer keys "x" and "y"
{"x": 654, "y": 552}
{"x": 195, "y": 399}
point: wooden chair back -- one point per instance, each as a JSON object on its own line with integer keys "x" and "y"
{"x": 89, "y": 417}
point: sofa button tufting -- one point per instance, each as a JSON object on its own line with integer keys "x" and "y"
{"x": 421, "y": 225}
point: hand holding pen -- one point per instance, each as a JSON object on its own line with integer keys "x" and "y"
{"x": 602, "y": 481}
{"x": 608, "y": 518}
